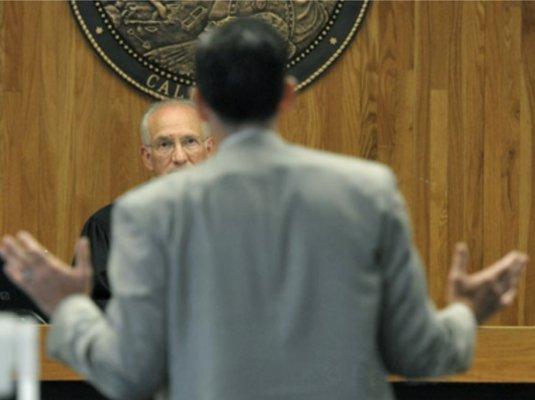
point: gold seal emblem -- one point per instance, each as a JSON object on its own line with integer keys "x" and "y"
{"x": 151, "y": 44}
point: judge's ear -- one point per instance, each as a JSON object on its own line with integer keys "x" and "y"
{"x": 209, "y": 144}
{"x": 288, "y": 94}
{"x": 202, "y": 107}
{"x": 146, "y": 157}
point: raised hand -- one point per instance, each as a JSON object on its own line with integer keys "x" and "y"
{"x": 488, "y": 290}
{"x": 43, "y": 276}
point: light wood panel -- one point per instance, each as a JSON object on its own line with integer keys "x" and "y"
{"x": 69, "y": 127}
{"x": 443, "y": 92}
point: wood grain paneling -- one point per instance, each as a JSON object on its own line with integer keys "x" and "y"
{"x": 501, "y": 147}
{"x": 527, "y": 143}
{"x": 69, "y": 127}
{"x": 443, "y": 92}
{"x": 472, "y": 103}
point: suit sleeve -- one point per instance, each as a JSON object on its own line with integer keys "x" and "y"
{"x": 415, "y": 339}
{"x": 122, "y": 352}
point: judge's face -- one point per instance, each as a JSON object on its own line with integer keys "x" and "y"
{"x": 176, "y": 140}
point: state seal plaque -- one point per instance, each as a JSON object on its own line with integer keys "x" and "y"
{"x": 151, "y": 44}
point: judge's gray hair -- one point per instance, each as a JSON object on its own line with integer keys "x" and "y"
{"x": 144, "y": 125}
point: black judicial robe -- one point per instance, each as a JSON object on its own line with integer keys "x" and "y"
{"x": 98, "y": 230}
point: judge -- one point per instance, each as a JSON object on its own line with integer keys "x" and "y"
{"x": 172, "y": 137}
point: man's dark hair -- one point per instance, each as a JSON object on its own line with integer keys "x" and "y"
{"x": 240, "y": 70}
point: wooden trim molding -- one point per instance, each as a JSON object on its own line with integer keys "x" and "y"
{"x": 503, "y": 355}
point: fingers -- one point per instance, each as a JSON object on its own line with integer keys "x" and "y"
{"x": 23, "y": 249}
{"x": 15, "y": 275}
{"x": 514, "y": 259}
{"x": 16, "y": 262}
{"x": 45, "y": 278}
{"x": 12, "y": 251}
{"x": 459, "y": 264}
{"x": 25, "y": 258}
{"x": 512, "y": 277}
{"x": 507, "y": 298}
{"x": 509, "y": 267}
{"x": 505, "y": 276}
{"x": 36, "y": 253}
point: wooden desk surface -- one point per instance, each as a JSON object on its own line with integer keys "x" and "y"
{"x": 503, "y": 354}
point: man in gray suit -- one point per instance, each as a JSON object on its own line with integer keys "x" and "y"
{"x": 268, "y": 272}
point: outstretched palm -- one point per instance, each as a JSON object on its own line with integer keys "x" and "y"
{"x": 43, "y": 276}
{"x": 488, "y": 290}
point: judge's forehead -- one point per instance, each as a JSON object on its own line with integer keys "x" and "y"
{"x": 175, "y": 119}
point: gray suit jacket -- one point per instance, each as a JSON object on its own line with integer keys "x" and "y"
{"x": 268, "y": 272}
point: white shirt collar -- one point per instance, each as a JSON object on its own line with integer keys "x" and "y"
{"x": 242, "y": 135}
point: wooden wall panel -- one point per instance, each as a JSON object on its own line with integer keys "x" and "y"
{"x": 472, "y": 103}
{"x": 527, "y": 203}
{"x": 502, "y": 110}
{"x": 443, "y": 92}
{"x": 69, "y": 126}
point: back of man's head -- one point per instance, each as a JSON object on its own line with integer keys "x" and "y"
{"x": 240, "y": 70}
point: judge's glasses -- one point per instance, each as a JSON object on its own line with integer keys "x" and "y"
{"x": 164, "y": 147}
